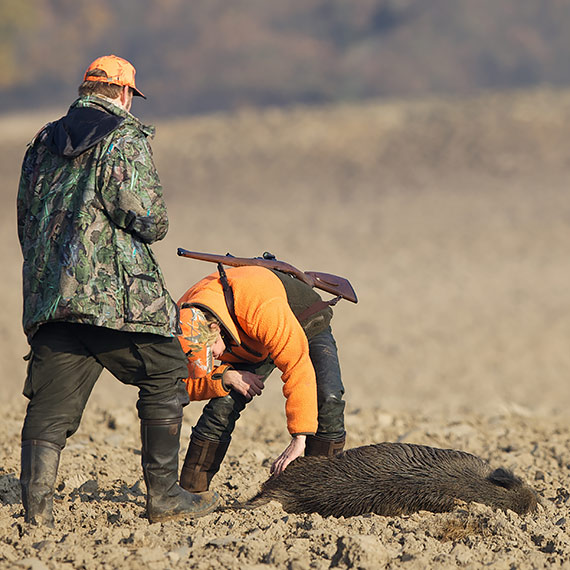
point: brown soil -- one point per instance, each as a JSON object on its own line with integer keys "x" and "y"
{"x": 451, "y": 220}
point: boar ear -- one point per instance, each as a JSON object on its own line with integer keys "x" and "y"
{"x": 504, "y": 478}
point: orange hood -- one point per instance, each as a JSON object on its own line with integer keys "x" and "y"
{"x": 208, "y": 294}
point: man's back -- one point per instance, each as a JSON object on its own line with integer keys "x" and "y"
{"x": 89, "y": 202}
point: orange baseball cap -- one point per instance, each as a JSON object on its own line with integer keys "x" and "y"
{"x": 119, "y": 72}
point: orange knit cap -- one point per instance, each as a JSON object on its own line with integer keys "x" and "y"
{"x": 119, "y": 72}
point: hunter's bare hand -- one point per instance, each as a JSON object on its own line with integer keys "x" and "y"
{"x": 292, "y": 451}
{"x": 245, "y": 383}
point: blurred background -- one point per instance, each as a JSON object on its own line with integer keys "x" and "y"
{"x": 211, "y": 55}
{"x": 417, "y": 148}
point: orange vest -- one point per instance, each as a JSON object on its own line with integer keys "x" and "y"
{"x": 268, "y": 327}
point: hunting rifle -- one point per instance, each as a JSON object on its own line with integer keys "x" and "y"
{"x": 333, "y": 284}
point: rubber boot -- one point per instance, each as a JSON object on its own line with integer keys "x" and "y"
{"x": 325, "y": 447}
{"x": 166, "y": 500}
{"x": 203, "y": 460}
{"x": 39, "y": 464}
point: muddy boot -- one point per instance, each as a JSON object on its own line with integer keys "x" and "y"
{"x": 39, "y": 463}
{"x": 166, "y": 500}
{"x": 203, "y": 460}
{"x": 326, "y": 447}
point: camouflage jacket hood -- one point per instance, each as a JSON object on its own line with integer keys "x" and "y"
{"x": 80, "y": 129}
{"x": 89, "y": 205}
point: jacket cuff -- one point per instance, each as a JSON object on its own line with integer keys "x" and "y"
{"x": 220, "y": 371}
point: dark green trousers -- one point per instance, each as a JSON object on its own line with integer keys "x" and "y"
{"x": 68, "y": 358}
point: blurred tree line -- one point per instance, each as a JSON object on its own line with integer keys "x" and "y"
{"x": 203, "y": 55}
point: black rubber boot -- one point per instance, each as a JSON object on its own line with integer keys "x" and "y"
{"x": 166, "y": 500}
{"x": 326, "y": 447}
{"x": 39, "y": 464}
{"x": 203, "y": 460}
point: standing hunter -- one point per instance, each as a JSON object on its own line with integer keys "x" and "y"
{"x": 89, "y": 205}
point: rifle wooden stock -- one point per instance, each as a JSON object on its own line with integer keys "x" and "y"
{"x": 332, "y": 284}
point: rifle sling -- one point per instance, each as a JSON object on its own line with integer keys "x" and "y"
{"x": 316, "y": 307}
{"x": 229, "y": 297}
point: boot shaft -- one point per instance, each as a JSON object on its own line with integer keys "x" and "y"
{"x": 202, "y": 462}
{"x": 39, "y": 465}
{"x": 160, "y": 441}
{"x": 325, "y": 447}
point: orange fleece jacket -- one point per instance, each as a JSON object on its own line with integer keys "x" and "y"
{"x": 271, "y": 329}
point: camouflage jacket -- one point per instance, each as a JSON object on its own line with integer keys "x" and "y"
{"x": 89, "y": 204}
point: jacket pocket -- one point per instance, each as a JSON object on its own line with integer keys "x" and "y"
{"x": 146, "y": 300}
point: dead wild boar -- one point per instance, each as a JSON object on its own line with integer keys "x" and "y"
{"x": 393, "y": 479}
